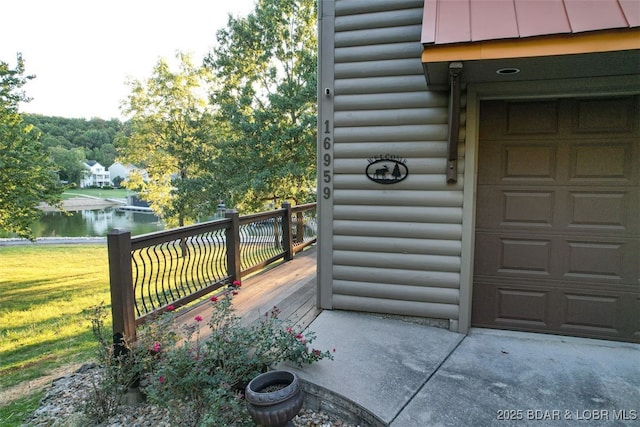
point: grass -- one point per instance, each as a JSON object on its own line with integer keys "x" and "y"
{"x": 46, "y": 293}
{"x": 46, "y": 296}
{"x": 115, "y": 193}
{"x": 14, "y": 413}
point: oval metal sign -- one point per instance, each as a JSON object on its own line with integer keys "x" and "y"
{"x": 387, "y": 171}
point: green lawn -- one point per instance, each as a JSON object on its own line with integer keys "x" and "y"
{"x": 46, "y": 293}
{"x": 46, "y": 296}
{"x": 115, "y": 193}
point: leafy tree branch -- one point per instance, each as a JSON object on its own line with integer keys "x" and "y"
{"x": 27, "y": 176}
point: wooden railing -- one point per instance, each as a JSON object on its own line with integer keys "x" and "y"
{"x": 151, "y": 272}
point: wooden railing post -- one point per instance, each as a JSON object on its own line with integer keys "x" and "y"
{"x": 299, "y": 227}
{"x": 122, "y": 298}
{"x": 287, "y": 241}
{"x": 234, "y": 266}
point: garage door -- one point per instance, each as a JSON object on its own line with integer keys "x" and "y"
{"x": 558, "y": 217}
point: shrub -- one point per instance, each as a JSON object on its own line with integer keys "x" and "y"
{"x": 201, "y": 380}
{"x": 120, "y": 372}
{"x": 117, "y": 181}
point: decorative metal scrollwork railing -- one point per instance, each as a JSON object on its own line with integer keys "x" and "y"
{"x": 181, "y": 269}
{"x": 151, "y": 272}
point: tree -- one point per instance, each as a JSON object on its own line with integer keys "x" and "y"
{"x": 396, "y": 172}
{"x": 104, "y": 154}
{"x": 170, "y": 134}
{"x": 265, "y": 94}
{"x": 27, "y": 176}
{"x": 69, "y": 163}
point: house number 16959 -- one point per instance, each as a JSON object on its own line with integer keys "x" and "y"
{"x": 327, "y": 176}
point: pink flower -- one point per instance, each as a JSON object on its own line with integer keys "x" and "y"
{"x": 316, "y": 352}
{"x": 198, "y": 318}
{"x": 170, "y": 307}
{"x": 161, "y": 379}
{"x": 156, "y": 347}
{"x": 213, "y": 298}
{"x": 334, "y": 350}
{"x": 236, "y": 283}
{"x": 299, "y": 336}
{"x": 289, "y": 330}
{"x": 234, "y": 293}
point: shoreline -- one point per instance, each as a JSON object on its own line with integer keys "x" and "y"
{"x": 17, "y": 241}
{"x": 70, "y": 205}
{"x": 81, "y": 204}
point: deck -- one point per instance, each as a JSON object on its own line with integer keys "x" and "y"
{"x": 290, "y": 286}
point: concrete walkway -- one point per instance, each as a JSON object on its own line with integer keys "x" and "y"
{"x": 391, "y": 372}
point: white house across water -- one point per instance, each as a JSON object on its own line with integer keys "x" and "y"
{"x": 479, "y": 163}
{"x": 94, "y": 175}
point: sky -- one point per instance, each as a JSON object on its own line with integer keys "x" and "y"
{"x": 83, "y": 51}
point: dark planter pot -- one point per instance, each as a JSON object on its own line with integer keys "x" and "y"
{"x": 274, "y": 398}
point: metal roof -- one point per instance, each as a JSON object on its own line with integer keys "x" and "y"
{"x": 464, "y": 21}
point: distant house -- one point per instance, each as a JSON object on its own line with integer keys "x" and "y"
{"x": 118, "y": 170}
{"x": 95, "y": 175}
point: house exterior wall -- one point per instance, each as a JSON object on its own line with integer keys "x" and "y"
{"x": 118, "y": 170}
{"x": 387, "y": 247}
{"x": 406, "y": 246}
{"x": 96, "y": 175}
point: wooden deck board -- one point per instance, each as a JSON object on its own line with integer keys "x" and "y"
{"x": 290, "y": 286}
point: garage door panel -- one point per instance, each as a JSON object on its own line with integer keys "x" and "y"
{"x": 611, "y": 210}
{"x": 522, "y": 306}
{"x": 596, "y": 260}
{"x": 557, "y": 257}
{"x": 529, "y": 207}
{"x": 517, "y": 119}
{"x": 595, "y": 313}
{"x": 533, "y": 162}
{"x": 557, "y": 238}
{"x": 601, "y": 161}
{"x": 611, "y": 261}
{"x": 522, "y": 256}
{"x": 601, "y": 313}
{"x": 541, "y": 117}
{"x": 523, "y": 161}
{"x": 553, "y": 308}
{"x": 517, "y": 208}
{"x": 604, "y": 115}
{"x": 598, "y": 209}
{"x": 506, "y": 306}
{"x": 528, "y": 256}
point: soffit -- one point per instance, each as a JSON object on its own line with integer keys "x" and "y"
{"x": 493, "y": 34}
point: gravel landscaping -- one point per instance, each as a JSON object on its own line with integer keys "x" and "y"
{"x": 63, "y": 402}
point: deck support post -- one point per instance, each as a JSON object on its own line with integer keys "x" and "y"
{"x": 234, "y": 266}
{"x": 121, "y": 284}
{"x": 287, "y": 241}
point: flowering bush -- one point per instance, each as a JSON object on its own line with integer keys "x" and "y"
{"x": 120, "y": 371}
{"x": 199, "y": 378}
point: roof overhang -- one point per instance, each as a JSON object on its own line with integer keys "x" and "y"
{"x": 528, "y": 40}
{"x": 602, "y": 53}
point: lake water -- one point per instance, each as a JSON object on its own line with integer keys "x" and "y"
{"x": 96, "y": 223}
